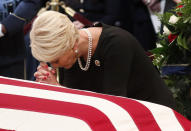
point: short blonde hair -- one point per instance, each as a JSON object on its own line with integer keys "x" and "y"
{"x": 52, "y": 34}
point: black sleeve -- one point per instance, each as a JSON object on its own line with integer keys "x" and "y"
{"x": 117, "y": 67}
{"x": 26, "y": 9}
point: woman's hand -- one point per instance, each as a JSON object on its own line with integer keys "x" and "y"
{"x": 46, "y": 74}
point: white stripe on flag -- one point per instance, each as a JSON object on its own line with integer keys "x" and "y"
{"x": 20, "y": 120}
{"x": 119, "y": 117}
{"x": 166, "y": 120}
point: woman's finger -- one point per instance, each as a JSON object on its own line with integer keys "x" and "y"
{"x": 42, "y": 65}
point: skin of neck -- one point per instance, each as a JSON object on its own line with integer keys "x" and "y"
{"x": 83, "y": 44}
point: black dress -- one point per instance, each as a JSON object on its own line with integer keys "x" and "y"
{"x": 123, "y": 70}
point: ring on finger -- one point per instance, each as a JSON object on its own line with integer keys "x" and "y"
{"x": 50, "y": 68}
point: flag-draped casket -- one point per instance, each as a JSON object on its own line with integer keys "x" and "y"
{"x": 31, "y": 106}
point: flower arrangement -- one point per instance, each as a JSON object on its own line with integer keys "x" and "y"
{"x": 174, "y": 45}
{"x": 173, "y": 53}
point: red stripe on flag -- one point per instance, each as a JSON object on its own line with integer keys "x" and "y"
{"x": 6, "y": 130}
{"x": 186, "y": 124}
{"x": 89, "y": 114}
{"x": 141, "y": 115}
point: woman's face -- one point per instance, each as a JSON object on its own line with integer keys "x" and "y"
{"x": 66, "y": 60}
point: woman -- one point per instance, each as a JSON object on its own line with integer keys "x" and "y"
{"x": 103, "y": 59}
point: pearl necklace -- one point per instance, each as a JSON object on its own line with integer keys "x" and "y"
{"x": 89, "y": 52}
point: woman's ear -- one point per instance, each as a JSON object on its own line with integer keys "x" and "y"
{"x": 75, "y": 46}
{"x": 75, "y": 49}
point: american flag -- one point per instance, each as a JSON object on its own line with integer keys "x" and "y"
{"x": 31, "y": 106}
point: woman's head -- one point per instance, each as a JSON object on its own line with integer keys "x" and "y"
{"x": 52, "y": 35}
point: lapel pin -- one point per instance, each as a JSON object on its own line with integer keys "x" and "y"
{"x": 97, "y": 62}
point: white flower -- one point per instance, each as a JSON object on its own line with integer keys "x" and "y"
{"x": 166, "y": 31}
{"x": 173, "y": 19}
{"x": 158, "y": 45}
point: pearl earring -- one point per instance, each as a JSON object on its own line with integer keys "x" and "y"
{"x": 76, "y": 53}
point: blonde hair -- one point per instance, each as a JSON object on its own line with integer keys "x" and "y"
{"x": 52, "y": 34}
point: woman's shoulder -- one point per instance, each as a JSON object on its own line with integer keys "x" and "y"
{"x": 115, "y": 39}
{"x": 118, "y": 36}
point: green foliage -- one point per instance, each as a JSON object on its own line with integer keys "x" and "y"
{"x": 174, "y": 48}
{"x": 172, "y": 52}
{"x": 180, "y": 87}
